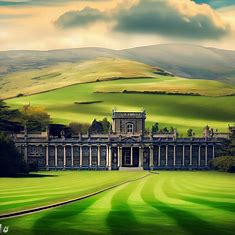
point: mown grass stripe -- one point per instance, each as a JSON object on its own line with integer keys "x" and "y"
{"x": 24, "y": 212}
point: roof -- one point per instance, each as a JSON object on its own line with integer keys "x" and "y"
{"x": 126, "y": 115}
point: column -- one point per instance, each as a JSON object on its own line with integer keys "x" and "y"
{"x": 131, "y": 155}
{"x": 98, "y": 155}
{"x": 159, "y": 155}
{"x": 206, "y": 154}
{"x": 199, "y": 156}
{"x": 47, "y": 157}
{"x": 26, "y": 153}
{"x": 107, "y": 156}
{"x": 151, "y": 157}
{"x": 90, "y": 157}
{"x": 191, "y": 156}
{"x": 118, "y": 153}
{"x": 72, "y": 163}
{"x": 213, "y": 152}
{"x": 56, "y": 153}
{"x": 140, "y": 157}
{"x": 80, "y": 155}
{"x": 64, "y": 156}
{"x": 120, "y": 156}
{"x": 166, "y": 155}
{"x": 174, "y": 157}
{"x": 183, "y": 157}
{"x": 110, "y": 158}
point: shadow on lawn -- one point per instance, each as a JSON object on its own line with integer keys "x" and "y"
{"x": 122, "y": 219}
{"x": 218, "y": 205}
{"x": 33, "y": 175}
{"x": 188, "y": 221}
{"x": 58, "y": 221}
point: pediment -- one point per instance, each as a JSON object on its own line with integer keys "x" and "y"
{"x": 129, "y": 139}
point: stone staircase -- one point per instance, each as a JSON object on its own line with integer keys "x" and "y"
{"x": 131, "y": 168}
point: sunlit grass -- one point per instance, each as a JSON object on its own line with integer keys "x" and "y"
{"x": 182, "y": 112}
{"x": 165, "y": 203}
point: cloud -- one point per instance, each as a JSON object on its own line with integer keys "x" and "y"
{"x": 178, "y": 18}
{"x": 13, "y": 16}
{"x": 12, "y": 3}
{"x": 174, "y": 18}
{"x": 80, "y": 18}
{"x": 217, "y": 3}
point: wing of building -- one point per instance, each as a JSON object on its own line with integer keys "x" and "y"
{"x": 126, "y": 146}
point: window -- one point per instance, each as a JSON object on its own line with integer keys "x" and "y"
{"x": 129, "y": 128}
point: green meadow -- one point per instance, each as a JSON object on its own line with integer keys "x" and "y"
{"x": 51, "y": 187}
{"x": 180, "y": 111}
{"x": 165, "y": 203}
{"x": 65, "y": 74}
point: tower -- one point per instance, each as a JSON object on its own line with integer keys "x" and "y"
{"x": 128, "y": 123}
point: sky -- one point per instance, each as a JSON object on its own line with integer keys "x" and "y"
{"x": 116, "y": 24}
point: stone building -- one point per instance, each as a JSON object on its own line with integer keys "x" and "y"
{"x": 126, "y": 146}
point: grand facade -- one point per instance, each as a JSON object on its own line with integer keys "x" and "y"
{"x": 126, "y": 146}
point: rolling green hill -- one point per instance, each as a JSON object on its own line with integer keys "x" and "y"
{"x": 184, "y": 60}
{"x": 66, "y": 74}
{"x": 171, "y": 85}
{"x": 181, "y": 111}
{"x": 86, "y": 90}
{"x": 105, "y": 69}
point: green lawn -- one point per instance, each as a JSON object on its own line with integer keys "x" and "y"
{"x": 179, "y": 111}
{"x": 23, "y": 193}
{"x": 166, "y": 203}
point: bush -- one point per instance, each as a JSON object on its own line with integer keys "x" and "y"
{"x": 33, "y": 167}
{"x": 226, "y": 163}
{"x": 11, "y": 161}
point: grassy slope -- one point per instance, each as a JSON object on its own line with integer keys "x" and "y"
{"x": 182, "y": 112}
{"x": 58, "y": 76}
{"x": 21, "y": 193}
{"x": 173, "y": 85}
{"x": 62, "y": 75}
{"x": 167, "y": 203}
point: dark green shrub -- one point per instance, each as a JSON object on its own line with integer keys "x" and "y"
{"x": 226, "y": 163}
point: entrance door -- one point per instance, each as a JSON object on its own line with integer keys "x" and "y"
{"x": 126, "y": 157}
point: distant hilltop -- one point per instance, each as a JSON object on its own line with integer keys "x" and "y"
{"x": 190, "y": 61}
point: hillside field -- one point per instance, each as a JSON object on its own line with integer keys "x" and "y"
{"x": 65, "y": 74}
{"x": 195, "y": 203}
{"x": 181, "y": 111}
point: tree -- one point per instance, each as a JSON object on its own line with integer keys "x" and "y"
{"x": 164, "y": 130}
{"x": 35, "y": 118}
{"x": 106, "y": 125}
{"x": 11, "y": 161}
{"x": 9, "y": 119}
{"x": 226, "y": 163}
{"x": 79, "y": 128}
{"x": 189, "y": 132}
{"x": 60, "y": 130}
{"x": 226, "y": 159}
{"x": 96, "y": 127}
{"x": 155, "y": 127}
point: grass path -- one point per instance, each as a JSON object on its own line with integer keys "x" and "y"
{"x": 166, "y": 203}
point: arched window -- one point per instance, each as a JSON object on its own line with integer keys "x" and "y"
{"x": 129, "y": 128}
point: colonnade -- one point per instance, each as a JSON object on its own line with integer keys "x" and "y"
{"x": 119, "y": 155}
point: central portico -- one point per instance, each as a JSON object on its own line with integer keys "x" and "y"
{"x": 129, "y": 126}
